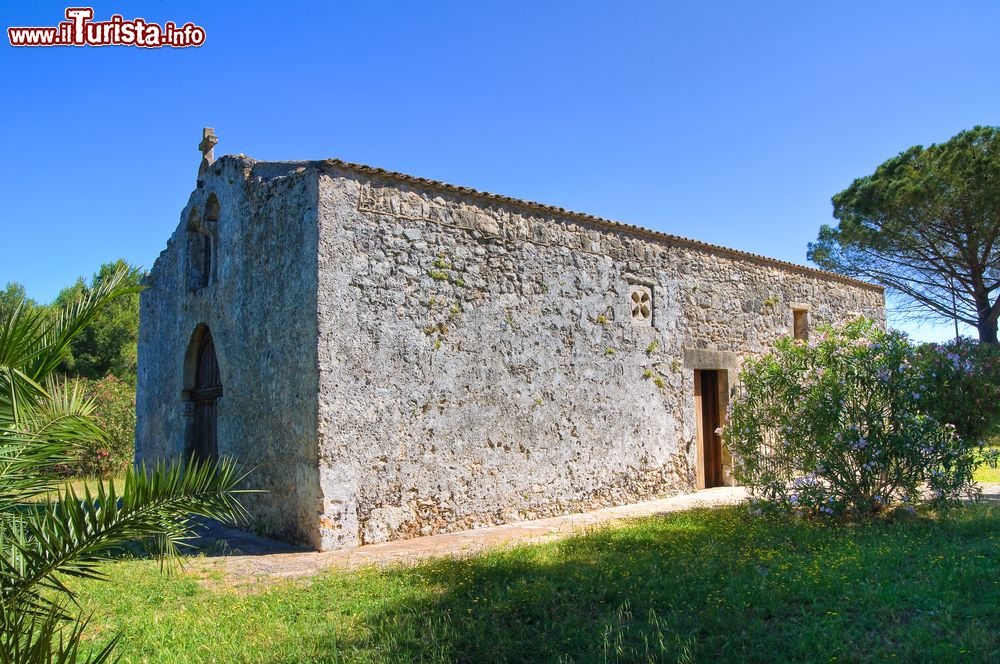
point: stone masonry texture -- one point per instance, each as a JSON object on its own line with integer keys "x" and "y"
{"x": 401, "y": 357}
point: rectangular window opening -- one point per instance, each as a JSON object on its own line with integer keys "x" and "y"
{"x": 800, "y": 324}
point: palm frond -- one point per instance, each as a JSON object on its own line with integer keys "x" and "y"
{"x": 34, "y": 343}
{"x": 54, "y": 342}
{"x": 76, "y": 535}
{"x": 43, "y": 422}
{"x": 52, "y": 433}
{"x": 30, "y": 638}
{"x": 66, "y": 415}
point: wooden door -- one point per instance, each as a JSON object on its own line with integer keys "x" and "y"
{"x": 709, "y": 413}
{"x": 206, "y": 393}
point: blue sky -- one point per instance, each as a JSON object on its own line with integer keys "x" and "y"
{"x": 732, "y": 123}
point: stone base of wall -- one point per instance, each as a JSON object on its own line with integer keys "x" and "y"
{"x": 433, "y": 515}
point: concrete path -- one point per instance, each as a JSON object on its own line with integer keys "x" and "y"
{"x": 991, "y": 491}
{"x": 248, "y": 557}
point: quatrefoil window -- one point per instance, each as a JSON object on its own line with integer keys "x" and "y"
{"x": 641, "y": 301}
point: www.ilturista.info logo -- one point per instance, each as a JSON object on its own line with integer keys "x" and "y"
{"x": 80, "y": 30}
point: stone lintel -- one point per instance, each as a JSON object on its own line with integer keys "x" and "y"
{"x": 698, "y": 358}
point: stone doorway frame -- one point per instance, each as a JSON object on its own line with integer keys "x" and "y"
{"x": 725, "y": 365}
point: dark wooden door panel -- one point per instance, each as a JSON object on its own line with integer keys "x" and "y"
{"x": 708, "y": 384}
{"x": 206, "y": 392}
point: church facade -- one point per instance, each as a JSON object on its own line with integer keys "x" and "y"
{"x": 397, "y": 357}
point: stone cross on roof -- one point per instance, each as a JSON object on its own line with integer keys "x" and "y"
{"x": 207, "y": 146}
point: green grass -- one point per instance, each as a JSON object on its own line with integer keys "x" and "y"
{"x": 707, "y": 585}
{"x": 78, "y": 484}
{"x": 986, "y": 474}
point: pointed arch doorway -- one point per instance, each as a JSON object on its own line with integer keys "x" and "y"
{"x": 204, "y": 394}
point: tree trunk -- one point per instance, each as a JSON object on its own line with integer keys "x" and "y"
{"x": 987, "y": 315}
{"x": 988, "y": 331}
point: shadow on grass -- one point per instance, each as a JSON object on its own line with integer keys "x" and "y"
{"x": 706, "y": 585}
{"x": 211, "y": 540}
{"x": 215, "y": 539}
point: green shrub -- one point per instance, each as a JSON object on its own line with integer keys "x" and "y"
{"x": 963, "y": 380}
{"x": 114, "y": 413}
{"x": 837, "y": 426}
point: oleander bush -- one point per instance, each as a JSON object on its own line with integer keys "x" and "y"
{"x": 963, "y": 379}
{"x": 111, "y": 406}
{"x": 843, "y": 425}
{"x": 114, "y": 413}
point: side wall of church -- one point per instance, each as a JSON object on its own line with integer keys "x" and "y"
{"x": 260, "y": 307}
{"x": 481, "y": 362}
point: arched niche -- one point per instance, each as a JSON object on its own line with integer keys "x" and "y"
{"x": 203, "y": 389}
{"x": 212, "y": 208}
{"x": 199, "y": 252}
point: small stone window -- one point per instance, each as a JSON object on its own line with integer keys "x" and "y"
{"x": 211, "y": 209}
{"x": 641, "y": 303}
{"x": 800, "y": 323}
{"x": 199, "y": 253}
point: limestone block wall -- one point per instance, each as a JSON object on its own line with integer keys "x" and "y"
{"x": 400, "y": 358}
{"x": 260, "y": 307}
{"x": 479, "y": 362}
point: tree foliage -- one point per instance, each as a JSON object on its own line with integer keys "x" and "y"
{"x": 43, "y": 420}
{"x": 926, "y": 225}
{"x": 108, "y": 344}
{"x": 12, "y": 297}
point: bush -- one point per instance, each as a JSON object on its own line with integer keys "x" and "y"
{"x": 114, "y": 412}
{"x": 837, "y": 426}
{"x": 963, "y": 379}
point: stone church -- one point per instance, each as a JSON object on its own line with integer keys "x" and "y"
{"x": 397, "y": 357}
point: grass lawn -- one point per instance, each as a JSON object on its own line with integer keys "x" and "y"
{"x": 986, "y": 474}
{"x": 706, "y": 585}
{"x": 78, "y": 484}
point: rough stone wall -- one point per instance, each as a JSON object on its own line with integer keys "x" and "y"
{"x": 479, "y": 363}
{"x": 400, "y": 359}
{"x": 730, "y": 305}
{"x": 260, "y": 307}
